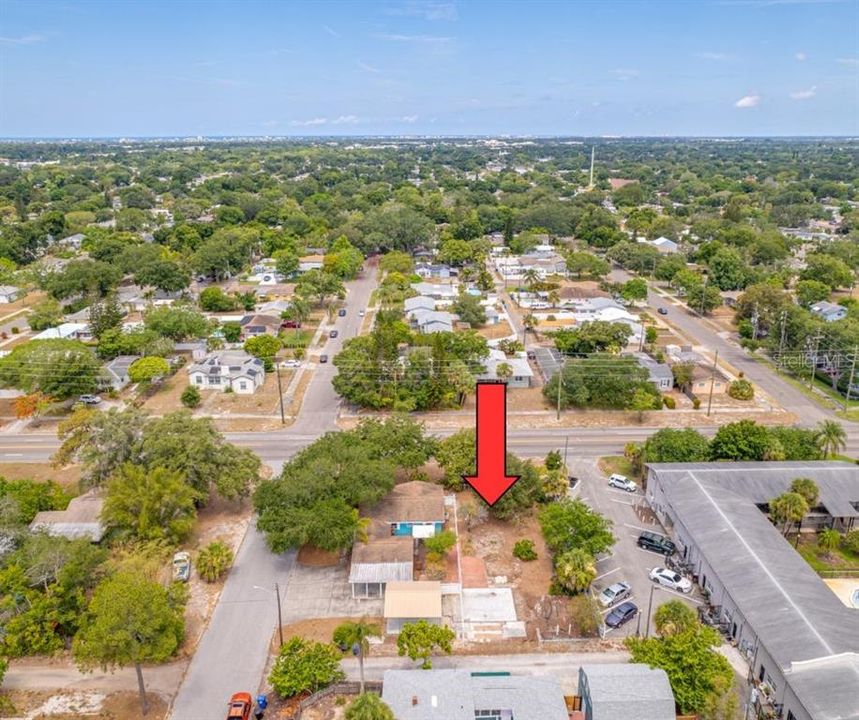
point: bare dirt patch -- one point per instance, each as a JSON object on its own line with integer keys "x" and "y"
{"x": 167, "y": 398}
{"x": 265, "y": 401}
{"x": 67, "y": 476}
{"x": 322, "y": 629}
{"x": 314, "y": 557}
{"x": 73, "y": 705}
{"x": 499, "y": 330}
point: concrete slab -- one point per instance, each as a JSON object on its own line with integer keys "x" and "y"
{"x": 320, "y": 592}
{"x": 493, "y": 605}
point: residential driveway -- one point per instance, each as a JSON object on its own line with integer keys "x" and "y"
{"x": 323, "y": 592}
{"x": 630, "y": 514}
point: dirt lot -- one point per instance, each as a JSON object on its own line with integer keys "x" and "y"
{"x": 330, "y": 708}
{"x": 493, "y": 332}
{"x": 166, "y": 399}
{"x": 321, "y": 630}
{"x": 45, "y": 705}
{"x": 67, "y": 476}
{"x": 265, "y": 401}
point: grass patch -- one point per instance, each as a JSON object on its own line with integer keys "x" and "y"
{"x": 294, "y": 339}
{"x": 822, "y": 560}
{"x": 611, "y": 464}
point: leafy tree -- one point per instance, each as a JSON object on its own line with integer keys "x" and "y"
{"x": 585, "y": 264}
{"x": 163, "y": 274}
{"x": 796, "y": 443}
{"x": 671, "y": 445}
{"x": 83, "y": 277}
{"x": 742, "y": 440}
{"x": 366, "y": 706}
{"x": 469, "y": 309}
{"x": 440, "y": 544}
{"x": 807, "y": 488}
{"x": 635, "y": 289}
{"x": 593, "y": 337}
{"x": 727, "y": 269}
{"x": 455, "y": 252}
{"x": 45, "y": 314}
{"x": 213, "y": 299}
{"x": 286, "y": 262}
{"x": 827, "y": 269}
{"x": 787, "y": 509}
{"x": 190, "y": 397}
{"x": 674, "y": 617}
{"x": 641, "y": 401}
{"x": 149, "y": 505}
{"x": 398, "y": 439}
{"x": 104, "y": 315}
{"x": 31, "y": 497}
{"x": 350, "y": 635}
{"x": 177, "y": 322}
{"x": 809, "y": 292}
{"x": 741, "y": 389}
{"x": 705, "y": 298}
{"x": 553, "y": 460}
{"x": 570, "y": 524}
{"x": 321, "y": 285}
{"x": 695, "y": 670}
{"x": 147, "y": 369}
{"x": 418, "y": 640}
{"x": 524, "y": 550}
{"x": 214, "y": 560}
{"x": 32, "y": 405}
{"x": 232, "y": 331}
{"x": 264, "y": 347}
{"x": 600, "y": 381}
{"x": 396, "y": 261}
{"x": 58, "y": 368}
{"x": 829, "y": 539}
{"x": 575, "y": 570}
{"x": 455, "y": 454}
{"x": 304, "y": 666}
{"x": 130, "y": 621}
{"x": 344, "y": 260}
{"x": 831, "y": 437}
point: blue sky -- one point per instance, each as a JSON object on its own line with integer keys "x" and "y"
{"x": 688, "y": 67}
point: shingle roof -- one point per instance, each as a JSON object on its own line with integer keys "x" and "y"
{"x": 415, "y": 501}
{"x": 80, "y": 519}
{"x": 629, "y": 691}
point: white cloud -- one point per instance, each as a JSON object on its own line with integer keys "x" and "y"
{"x": 625, "y": 73}
{"x": 309, "y": 123}
{"x": 22, "y": 40}
{"x": 804, "y": 94}
{"x": 801, "y": 56}
{"x": 331, "y": 31}
{"x": 425, "y": 9}
{"x": 849, "y": 61}
{"x": 345, "y": 120}
{"x": 717, "y": 56}
{"x": 366, "y": 67}
{"x": 748, "y": 101}
{"x": 410, "y": 119}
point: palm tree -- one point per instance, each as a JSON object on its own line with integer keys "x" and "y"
{"x": 787, "y": 509}
{"x": 466, "y": 275}
{"x": 831, "y": 437}
{"x": 368, "y": 706}
{"x": 807, "y": 488}
{"x": 828, "y": 540}
{"x": 503, "y": 371}
{"x": 575, "y": 570}
{"x": 298, "y": 311}
{"x": 356, "y": 635}
{"x": 530, "y": 277}
{"x": 554, "y": 298}
{"x": 530, "y": 322}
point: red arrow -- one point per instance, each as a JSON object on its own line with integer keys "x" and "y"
{"x": 491, "y": 480}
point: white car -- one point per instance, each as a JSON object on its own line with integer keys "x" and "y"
{"x": 622, "y": 482}
{"x": 291, "y": 364}
{"x": 614, "y": 593}
{"x": 181, "y": 566}
{"x": 670, "y": 579}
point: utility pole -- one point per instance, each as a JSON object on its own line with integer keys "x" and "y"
{"x": 712, "y": 383}
{"x": 560, "y": 382}
{"x": 279, "y": 392}
{"x": 279, "y": 619}
{"x": 781, "y": 339}
{"x": 704, "y": 294}
{"x": 852, "y": 374}
{"x": 566, "y": 445}
{"x": 814, "y": 360}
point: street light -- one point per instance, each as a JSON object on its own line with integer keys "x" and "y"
{"x": 279, "y": 620}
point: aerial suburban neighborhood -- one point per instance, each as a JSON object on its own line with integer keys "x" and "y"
{"x": 313, "y": 423}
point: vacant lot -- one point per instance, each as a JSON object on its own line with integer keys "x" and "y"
{"x": 73, "y": 705}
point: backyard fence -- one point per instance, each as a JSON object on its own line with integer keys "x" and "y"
{"x": 342, "y": 688}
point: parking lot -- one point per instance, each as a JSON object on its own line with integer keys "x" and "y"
{"x": 631, "y": 515}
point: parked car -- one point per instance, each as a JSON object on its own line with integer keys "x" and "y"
{"x": 323, "y": 358}
{"x": 531, "y": 355}
{"x": 572, "y": 480}
{"x": 181, "y": 566}
{"x": 294, "y": 324}
{"x": 621, "y": 615}
{"x": 656, "y": 543}
{"x": 614, "y": 593}
{"x": 89, "y": 399}
{"x": 240, "y": 706}
{"x": 361, "y": 313}
{"x": 622, "y": 482}
{"x": 291, "y": 364}
{"x": 662, "y": 311}
{"x": 670, "y": 579}
{"x": 333, "y": 334}
{"x": 342, "y": 312}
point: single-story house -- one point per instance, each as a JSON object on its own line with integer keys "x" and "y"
{"x": 465, "y": 695}
{"x": 436, "y": 291}
{"x": 234, "y": 369}
{"x": 663, "y": 244}
{"x": 829, "y": 312}
{"x": 430, "y": 321}
{"x": 66, "y": 331}
{"x": 442, "y": 272}
{"x": 10, "y": 293}
{"x": 660, "y": 373}
{"x": 380, "y": 561}
{"x": 408, "y": 602}
{"x": 705, "y": 381}
{"x": 521, "y": 370}
{"x": 310, "y": 262}
{"x": 413, "y": 509}
{"x": 273, "y": 307}
{"x": 258, "y": 324}
{"x": 80, "y": 519}
{"x": 421, "y": 302}
{"x": 72, "y": 241}
{"x": 632, "y": 691}
{"x": 117, "y": 370}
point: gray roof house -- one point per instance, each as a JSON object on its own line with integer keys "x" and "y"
{"x": 234, "y": 369}
{"x": 10, "y": 293}
{"x": 625, "y": 691}
{"x": 521, "y": 370}
{"x": 379, "y": 561}
{"x": 796, "y": 633}
{"x": 829, "y": 312}
{"x": 660, "y": 373}
{"x": 430, "y": 321}
{"x": 463, "y": 695}
{"x": 117, "y": 370}
{"x": 436, "y": 291}
{"x": 80, "y": 519}
{"x": 421, "y": 302}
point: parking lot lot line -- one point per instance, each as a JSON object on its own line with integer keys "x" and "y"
{"x": 599, "y": 577}
{"x": 638, "y": 527}
{"x": 621, "y": 502}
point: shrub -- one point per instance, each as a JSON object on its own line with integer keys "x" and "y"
{"x": 669, "y": 402}
{"x": 305, "y": 666}
{"x": 696, "y": 403}
{"x": 439, "y": 544}
{"x": 190, "y": 397}
{"x": 851, "y": 541}
{"x": 214, "y": 560}
{"x": 524, "y": 550}
{"x": 741, "y": 390}
{"x": 15, "y": 330}
{"x": 585, "y": 613}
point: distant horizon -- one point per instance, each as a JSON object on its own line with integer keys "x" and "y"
{"x": 439, "y": 68}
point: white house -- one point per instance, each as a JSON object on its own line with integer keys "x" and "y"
{"x": 445, "y": 293}
{"x": 10, "y": 293}
{"x": 829, "y": 312}
{"x": 233, "y": 369}
{"x": 430, "y": 321}
{"x": 66, "y": 331}
{"x": 421, "y": 302}
{"x": 310, "y": 262}
{"x": 521, "y": 370}
{"x": 73, "y": 241}
{"x": 663, "y": 244}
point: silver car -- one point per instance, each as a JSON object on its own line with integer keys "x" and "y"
{"x": 622, "y": 482}
{"x": 181, "y": 567}
{"x": 614, "y": 593}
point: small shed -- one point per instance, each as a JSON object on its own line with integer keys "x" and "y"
{"x": 631, "y": 691}
{"x": 79, "y": 520}
{"x": 407, "y": 602}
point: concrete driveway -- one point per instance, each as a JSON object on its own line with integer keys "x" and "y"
{"x": 630, "y": 514}
{"x": 321, "y": 592}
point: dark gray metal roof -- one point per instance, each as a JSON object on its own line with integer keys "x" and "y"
{"x": 828, "y": 688}
{"x": 629, "y": 691}
{"x": 795, "y": 616}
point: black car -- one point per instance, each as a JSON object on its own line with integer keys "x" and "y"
{"x": 333, "y": 333}
{"x": 342, "y": 312}
{"x": 656, "y": 543}
{"x": 621, "y": 615}
{"x": 662, "y": 311}
{"x": 323, "y": 358}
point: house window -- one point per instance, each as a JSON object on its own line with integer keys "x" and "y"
{"x": 198, "y": 379}
{"x": 243, "y": 385}
{"x": 214, "y": 381}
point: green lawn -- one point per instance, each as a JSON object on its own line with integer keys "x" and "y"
{"x": 611, "y": 464}
{"x": 827, "y": 560}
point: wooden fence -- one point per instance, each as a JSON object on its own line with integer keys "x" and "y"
{"x": 343, "y": 688}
